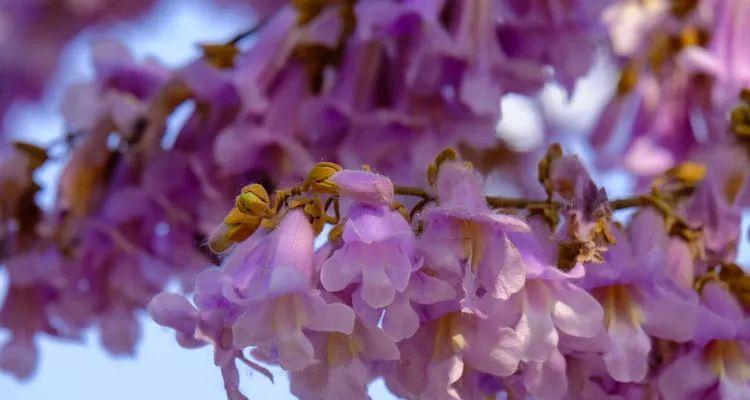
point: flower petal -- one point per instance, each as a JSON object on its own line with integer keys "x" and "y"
{"x": 328, "y": 317}
{"x": 668, "y": 314}
{"x": 627, "y": 354}
{"x": 546, "y": 380}
{"x": 688, "y": 377}
{"x": 174, "y": 311}
{"x": 400, "y": 321}
{"x": 576, "y": 312}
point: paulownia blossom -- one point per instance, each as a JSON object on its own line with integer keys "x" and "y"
{"x": 363, "y": 267}
{"x": 455, "y": 299}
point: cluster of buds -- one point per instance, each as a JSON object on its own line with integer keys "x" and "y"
{"x": 320, "y": 192}
{"x": 250, "y": 208}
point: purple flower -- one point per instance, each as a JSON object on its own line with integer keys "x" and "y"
{"x": 442, "y": 350}
{"x": 277, "y": 327}
{"x": 639, "y": 300}
{"x": 547, "y": 307}
{"x": 272, "y": 264}
{"x": 715, "y": 207}
{"x": 269, "y": 276}
{"x": 467, "y": 240}
{"x": 719, "y": 362}
{"x": 403, "y": 317}
{"x": 377, "y": 253}
{"x": 345, "y": 364}
{"x": 364, "y": 187}
{"x": 726, "y": 57}
{"x": 18, "y": 356}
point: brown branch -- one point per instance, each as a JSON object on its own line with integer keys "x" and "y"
{"x": 653, "y": 199}
{"x": 513, "y": 202}
{"x": 519, "y": 202}
{"x": 628, "y": 202}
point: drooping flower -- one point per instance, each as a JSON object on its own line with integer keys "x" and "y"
{"x": 639, "y": 299}
{"x": 346, "y": 364}
{"x": 271, "y": 278}
{"x": 377, "y": 251}
{"x": 364, "y": 187}
{"x": 434, "y": 360}
{"x": 466, "y": 239}
{"x": 719, "y": 362}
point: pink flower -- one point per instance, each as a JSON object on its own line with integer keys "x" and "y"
{"x": 377, "y": 253}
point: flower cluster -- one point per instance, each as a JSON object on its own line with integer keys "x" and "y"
{"x": 682, "y": 65}
{"x": 33, "y": 34}
{"x": 341, "y": 277}
{"x": 460, "y": 300}
{"x": 382, "y": 83}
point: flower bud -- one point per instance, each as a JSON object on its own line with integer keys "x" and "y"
{"x": 236, "y": 227}
{"x": 688, "y": 172}
{"x": 219, "y": 241}
{"x": 241, "y": 226}
{"x": 319, "y": 178}
{"x": 220, "y": 55}
{"x": 253, "y": 200}
{"x": 364, "y": 187}
{"x": 448, "y": 154}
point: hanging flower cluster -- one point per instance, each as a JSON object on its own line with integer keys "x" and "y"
{"x": 383, "y": 83}
{"x": 30, "y": 50}
{"x": 464, "y": 297}
{"x": 340, "y": 277}
{"x": 682, "y": 64}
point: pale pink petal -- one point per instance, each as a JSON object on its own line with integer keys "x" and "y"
{"x": 626, "y": 356}
{"x": 688, "y": 377}
{"x": 377, "y": 289}
{"x": 425, "y": 289}
{"x": 364, "y": 187}
{"x": 376, "y": 344}
{"x": 502, "y": 272}
{"x": 546, "y": 380}
{"x": 441, "y": 376}
{"x": 730, "y": 389}
{"x": 253, "y": 327}
{"x": 669, "y": 314}
{"x": 295, "y": 350}
{"x": 398, "y": 266}
{"x": 328, "y": 317}
{"x": 119, "y": 331}
{"x": 494, "y": 350}
{"x": 576, "y": 312}
{"x": 339, "y": 270}
{"x": 174, "y": 311}
{"x": 535, "y": 328}
{"x": 19, "y": 357}
{"x": 400, "y": 321}
{"x": 347, "y": 381}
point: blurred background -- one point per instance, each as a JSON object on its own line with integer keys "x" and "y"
{"x": 161, "y": 369}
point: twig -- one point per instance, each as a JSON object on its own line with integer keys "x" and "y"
{"x": 242, "y": 35}
{"x": 512, "y": 202}
{"x": 519, "y": 202}
{"x": 628, "y": 202}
